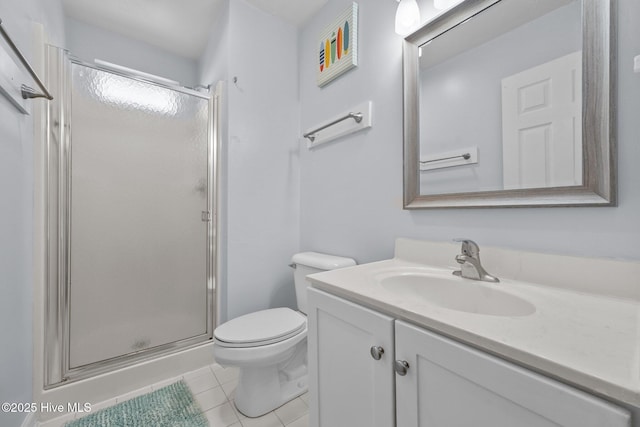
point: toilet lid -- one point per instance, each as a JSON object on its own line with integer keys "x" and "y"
{"x": 262, "y": 327}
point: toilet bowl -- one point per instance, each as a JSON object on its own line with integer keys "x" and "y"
{"x": 272, "y": 359}
{"x": 270, "y": 346}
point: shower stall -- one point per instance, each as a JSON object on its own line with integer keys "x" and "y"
{"x": 131, "y": 219}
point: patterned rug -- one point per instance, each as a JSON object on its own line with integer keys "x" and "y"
{"x": 170, "y": 406}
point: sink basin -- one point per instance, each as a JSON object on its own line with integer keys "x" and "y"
{"x": 446, "y": 290}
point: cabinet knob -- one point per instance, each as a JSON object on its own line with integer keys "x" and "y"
{"x": 401, "y": 367}
{"x": 377, "y": 352}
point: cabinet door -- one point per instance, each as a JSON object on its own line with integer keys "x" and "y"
{"x": 449, "y": 384}
{"x": 347, "y": 386}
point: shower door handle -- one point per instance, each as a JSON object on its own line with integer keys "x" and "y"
{"x": 206, "y": 216}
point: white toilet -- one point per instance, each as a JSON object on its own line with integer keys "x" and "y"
{"x": 270, "y": 346}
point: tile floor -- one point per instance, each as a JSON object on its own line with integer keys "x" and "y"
{"x": 213, "y": 387}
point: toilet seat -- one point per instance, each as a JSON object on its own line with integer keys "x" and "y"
{"x": 260, "y": 328}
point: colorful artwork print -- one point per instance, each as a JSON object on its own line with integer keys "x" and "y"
{"x": 337, "y": 51}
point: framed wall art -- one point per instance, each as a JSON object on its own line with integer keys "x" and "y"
{"x": 338, "y": 46}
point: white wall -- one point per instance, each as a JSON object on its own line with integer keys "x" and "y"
{"x": 351, "y": 190}
{"x": 214, "y": 62}
{"x": 260, "y": 157}
{"x": 89, "y": 42}
{"x": 16, "y": 211}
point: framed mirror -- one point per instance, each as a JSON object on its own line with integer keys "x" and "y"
{"x": 511, "y": 103}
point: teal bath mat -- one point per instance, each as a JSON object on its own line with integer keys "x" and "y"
{"x": 170, "y": 406}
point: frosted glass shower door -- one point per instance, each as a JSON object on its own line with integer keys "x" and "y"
{"x": 138, "y": 212}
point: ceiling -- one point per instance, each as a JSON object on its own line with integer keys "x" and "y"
{"x": 178, "y": 26}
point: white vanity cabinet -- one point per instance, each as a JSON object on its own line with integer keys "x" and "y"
{"x": 446, "y": 384}
{"x": 449, "y": 384}
{"x": 348, "y": 387}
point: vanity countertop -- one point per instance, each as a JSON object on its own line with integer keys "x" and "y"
{"x": 588, "y": 339}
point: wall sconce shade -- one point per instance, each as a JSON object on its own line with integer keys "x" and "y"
{"x": 407, "y": 17}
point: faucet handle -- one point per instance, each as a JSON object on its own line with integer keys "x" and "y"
{"x": 469, "y": 247}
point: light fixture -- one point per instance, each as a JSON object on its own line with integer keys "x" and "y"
{"x": 445, "y": 4}
{"x": 407, "y": 17}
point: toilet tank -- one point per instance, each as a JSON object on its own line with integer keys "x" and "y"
{"x": 306, "y": 263}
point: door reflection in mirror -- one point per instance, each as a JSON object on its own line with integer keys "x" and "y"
{"x": 508, "y": 85}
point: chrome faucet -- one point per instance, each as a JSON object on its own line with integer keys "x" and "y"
{"x": 469, "y": 261}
